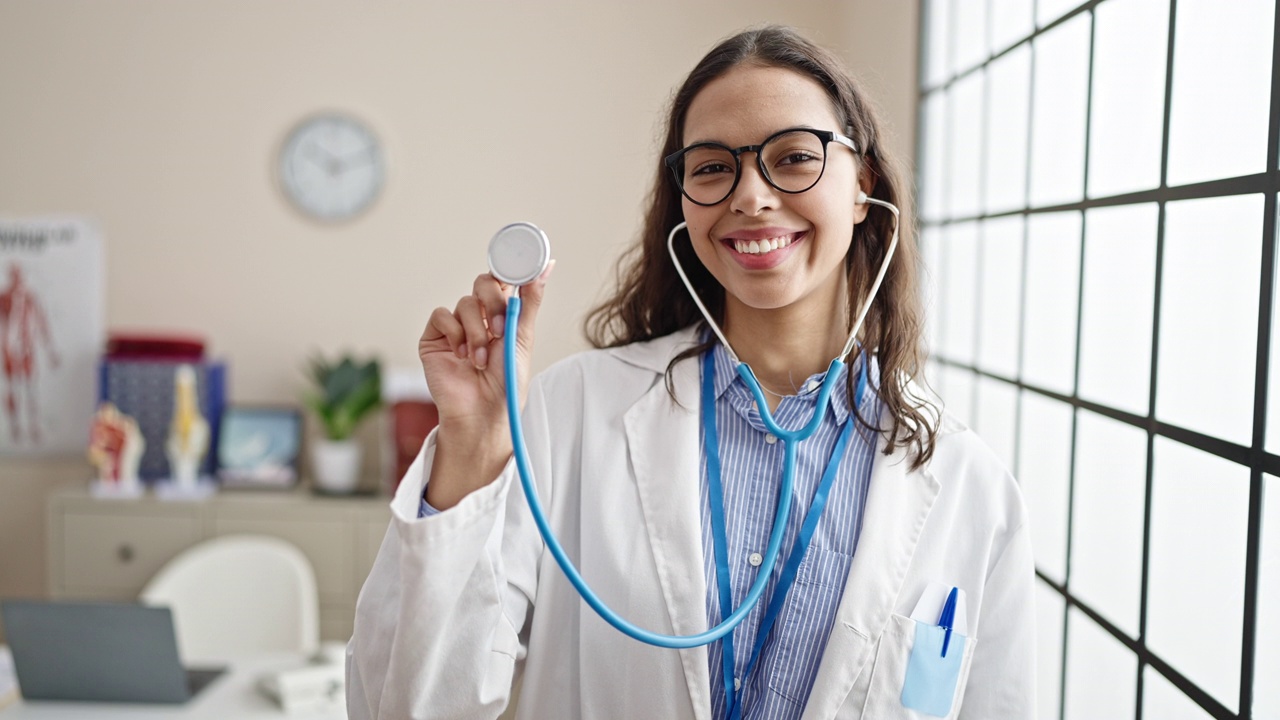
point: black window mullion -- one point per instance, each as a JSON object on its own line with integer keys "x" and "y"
{"x": 1265, "y": 182}
{"x": 1266, "y": 303}
{"x": 1253, "y": 547}
{"x": 1152, "y": 427}
{"x": 1075, "y": 379}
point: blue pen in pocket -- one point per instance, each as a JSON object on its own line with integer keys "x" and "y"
{"x": 934, "y": 667}
{"x": 947, "y": 619}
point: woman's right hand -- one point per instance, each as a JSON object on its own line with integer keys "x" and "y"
{"x": 462, "y": 358}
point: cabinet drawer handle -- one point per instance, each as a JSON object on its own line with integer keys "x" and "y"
{"x": 125, "y": 553}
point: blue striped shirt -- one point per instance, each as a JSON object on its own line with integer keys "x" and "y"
{"x": 751, "y": 466}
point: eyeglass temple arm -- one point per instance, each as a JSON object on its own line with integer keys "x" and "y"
{"x": 845, "y": 140}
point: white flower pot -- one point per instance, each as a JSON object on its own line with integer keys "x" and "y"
{"x": 335, "y": 465}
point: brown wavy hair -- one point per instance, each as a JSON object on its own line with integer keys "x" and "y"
{"x": 651, "y": 301}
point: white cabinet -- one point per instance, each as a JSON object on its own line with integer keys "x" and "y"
{"x": 109, "y": 549}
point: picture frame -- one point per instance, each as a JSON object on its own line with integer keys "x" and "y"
{"x": 259, "y": 446}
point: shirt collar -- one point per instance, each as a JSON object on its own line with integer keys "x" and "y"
{"x": 740, "y": 397}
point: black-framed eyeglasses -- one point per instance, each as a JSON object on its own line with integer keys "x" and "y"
{"x": 790, "y": 160}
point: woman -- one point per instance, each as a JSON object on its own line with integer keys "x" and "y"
{"x": 768, "y": 146}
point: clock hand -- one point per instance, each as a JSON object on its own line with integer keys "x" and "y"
{"x": 363, "y": 155}
{"x": 335, "y": 164}
{"x": 327, "y": 160}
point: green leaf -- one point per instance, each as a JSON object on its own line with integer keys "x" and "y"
{"x": 345, "y": 393}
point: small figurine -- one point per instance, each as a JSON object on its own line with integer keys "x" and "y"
{"x": 188, "y": 432}
{"x": 115, "y": 448}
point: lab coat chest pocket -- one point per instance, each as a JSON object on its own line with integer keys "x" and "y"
{"x": 806, "y": 621}
{"x": 884, "y": 697}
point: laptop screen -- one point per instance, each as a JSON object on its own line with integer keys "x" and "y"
{"x": 104, "y": 652}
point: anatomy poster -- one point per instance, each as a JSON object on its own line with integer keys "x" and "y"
{"x": 52, "y": 299}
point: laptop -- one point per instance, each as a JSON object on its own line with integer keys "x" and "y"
{"x": 99, "y": 652}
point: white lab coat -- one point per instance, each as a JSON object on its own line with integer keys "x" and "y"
{"x": 458, "y": 604}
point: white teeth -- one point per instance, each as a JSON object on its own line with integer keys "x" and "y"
{"x": 760, "y": 247}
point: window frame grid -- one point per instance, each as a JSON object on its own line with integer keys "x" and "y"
{"x": 1255, "y": 456}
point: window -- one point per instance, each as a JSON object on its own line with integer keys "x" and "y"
{"x": 1098, "y": 207}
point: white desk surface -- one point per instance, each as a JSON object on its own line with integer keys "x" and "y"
{"x": 233, "y": 695}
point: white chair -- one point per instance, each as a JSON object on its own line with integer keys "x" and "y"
{"x": 239, "y": 595}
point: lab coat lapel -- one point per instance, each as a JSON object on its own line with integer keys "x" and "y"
{"x": 663, "y": 447}
{"x": 898, "y": 503}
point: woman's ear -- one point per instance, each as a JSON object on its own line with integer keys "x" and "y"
{"x": 866, "y": 184}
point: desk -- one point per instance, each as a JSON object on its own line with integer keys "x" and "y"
{"x": 233, "y": 695}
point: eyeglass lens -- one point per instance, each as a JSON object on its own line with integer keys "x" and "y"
{"x": 792, "y": 162}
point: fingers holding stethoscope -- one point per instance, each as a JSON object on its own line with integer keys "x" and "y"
{"x": 472, "y": 329}
{"x": 466, "y": 330}
{"x": 491, "y": 296}
{"x": 443, "y": 334}
{"x": 471, "y": 314}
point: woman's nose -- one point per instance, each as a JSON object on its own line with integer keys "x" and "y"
{"x": 753, "y": 194}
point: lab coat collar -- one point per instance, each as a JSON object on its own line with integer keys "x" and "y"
{"x": 663, "y": 443}
{"x": 657, "y": 353}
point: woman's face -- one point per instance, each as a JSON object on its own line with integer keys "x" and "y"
{"x": 743, "y": 107}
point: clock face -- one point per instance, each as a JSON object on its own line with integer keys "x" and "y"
{"x": 331, "y": 167}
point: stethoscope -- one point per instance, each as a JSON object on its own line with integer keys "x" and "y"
{"x": 518, "y": 254}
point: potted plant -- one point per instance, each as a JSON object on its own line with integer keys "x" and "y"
{"x": 342, "y": 394}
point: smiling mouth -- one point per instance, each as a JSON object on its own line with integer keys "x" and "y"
{"x": 761, "y": 247}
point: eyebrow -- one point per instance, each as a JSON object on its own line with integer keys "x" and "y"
{"x": 768, "y": 135}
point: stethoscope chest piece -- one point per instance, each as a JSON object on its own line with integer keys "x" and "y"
{"x": 519, "y": 253}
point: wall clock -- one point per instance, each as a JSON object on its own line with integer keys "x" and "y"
{"x": 331, "y": 167}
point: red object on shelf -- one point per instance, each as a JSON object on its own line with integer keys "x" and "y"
{"x": 411, "y": 422}
{"x": 143, "y": 346}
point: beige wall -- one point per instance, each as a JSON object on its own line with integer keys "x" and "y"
{"x": 162, "y": 121}
{"x": 879, "y": 40}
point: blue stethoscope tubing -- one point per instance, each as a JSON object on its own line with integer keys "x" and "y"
{"x": 521, "y": 454}
{"x": 791, "y": 438}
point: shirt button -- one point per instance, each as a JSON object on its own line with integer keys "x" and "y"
{"x": 811, "y": 385}
{"x": 755, "y": 559}
{"x": 737, "y": 684}
{"x": 770, "y": 438}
